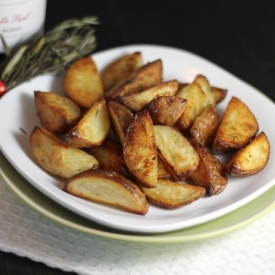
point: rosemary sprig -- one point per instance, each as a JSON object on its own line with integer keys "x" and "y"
{"x": 58, "y": 48}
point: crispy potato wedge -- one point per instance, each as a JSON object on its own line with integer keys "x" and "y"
{"x": 166, "y": 109}
{"x": 120, "y": 117}
{"x": 57, "y": 158}
{"x": 237, "y": 127}
{"x": 92, "y": 129}
{"x": 196, "y": 102}
{"x": 120, "y": 69}
{"x": 218, "y": 93}
{"x": 110, "y": 157}
{"x": 145, "y": 77}
{"x": 205, "y": 126}
{"x": 205, "y": 86}
{"x": 108, "y": 188}
{"x": 139, "y": 150}
{"x": 163, "y": 171}
{"x": 210, "y": 172}
{"x": 173, "y": 195}
{"x": 175, "y": 151}
{"x": 251, "y": 159}
{"x": 82, "y": 82}
{"x": 56, "y": 113}
{"x": 135, "y": 101}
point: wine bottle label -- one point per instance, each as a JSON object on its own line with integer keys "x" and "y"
{"x": 21, "y": 20}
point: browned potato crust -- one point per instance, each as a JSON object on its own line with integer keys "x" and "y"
{"x": 237, "y": 128}
{"x": 218, "y": 93}
{"x": 143, "y": 78}
{"x": 56, "y": 113}
{"x": 139, "y": 150}
{"x": 57, "y": 158}
{"x": 251, "y": 159}
{"x": 173, "y": 195}
{"x": 210, "y": 172}
{"x": 82, "y": 82}
{"x": 120, "y": 69}
{"x": 108, "y": 188}
{"x": 205, "y": 126}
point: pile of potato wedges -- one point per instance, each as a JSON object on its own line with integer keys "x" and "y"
{"x": 124, "y": 137}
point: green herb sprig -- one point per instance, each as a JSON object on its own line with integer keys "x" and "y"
{"x": 56, "y": 49}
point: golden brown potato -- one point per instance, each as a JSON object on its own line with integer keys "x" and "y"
{"x": 210, "y": 172}
{"x": 218, "y": 93}
{"x": 175, "y": 151}
{"x": 120, "y": 69}
{"x": 173, "y": 195}
{"x": 82, "y": 82}
{"x": 92, "y": 129}
{"x": 57, "y": 158}
{"x": 205, "y": 86}
{"x": 251, "y": 159}
{"x": 120, "y": 117}
{"x": 196, "y": 102}
{"x": 166, "y": 109}
{"x": 205, "y": 126}
{"x": 135, "y": 101}
{"x": 110, "y": 157}
{"x": 237, "y": 128}
{"x": 139, "y": 150}
{"x": 147, "y": 76}
{"x": 56, "y": 113}
{"x": 108, "y": 188}
{"x": 163, "y": 171}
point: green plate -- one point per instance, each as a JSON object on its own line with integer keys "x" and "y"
{"x": 47, "y": 207}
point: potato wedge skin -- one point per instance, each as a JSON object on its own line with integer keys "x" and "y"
{"x": 82, "y": 82}
{"x": 210, "y": 173}
{"x": 143, "y": 78}
{"x": 120, "y": 69}
{"x": 93, "y": 127}
{"x": 135, "y": 101}
{"x": 121, "y": 118}
{"x": 205, "y": 126}
{"x": 173, "y": 195}
{"x": 251, "y": 159}
{"x": 139, "y": 150}
{"x": 108, "y": 188}
{"x": 56, "y": 158}
{"x": 56, "y": 113}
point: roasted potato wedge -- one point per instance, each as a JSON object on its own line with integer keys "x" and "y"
{"x": 205, "y": 86}
{"x": 92, "y": 129}
{"x": 56, "y": 113}
{"x": 57, "y": 158}
{"x": 163, "y": 171}
{"x": 120, "y": 117}
{"x": 205, "y": 126}
{"x": 196, "y": 102}
{"x": 173, "y": 195}
{"x": 251, "y": 159}
{"x": 139, "y": 150}
{"x": 175, "y": 151}
{"x": 135, "y": 101}
{"x": 210, "y": 173}
{"x": 120, "y": 69}
{"x": 237, "y": 127}
{"x": 108, "y": 188}
{"x": 166, "y": 110}
{"x": 110, "y": 157}
{"x": 218, "y": 93}
{"x": 82, "y": 82}
{"x": 145, "y": 77}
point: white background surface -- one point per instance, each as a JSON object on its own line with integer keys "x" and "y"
{"x": 23, "y": 231}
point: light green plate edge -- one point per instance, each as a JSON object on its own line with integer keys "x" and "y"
{"x": 47, "y": 207}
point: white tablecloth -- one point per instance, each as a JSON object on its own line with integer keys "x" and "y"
{"x": 23, "y": 231}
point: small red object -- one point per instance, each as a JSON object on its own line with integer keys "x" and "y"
{"x": 3, "y": 88}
